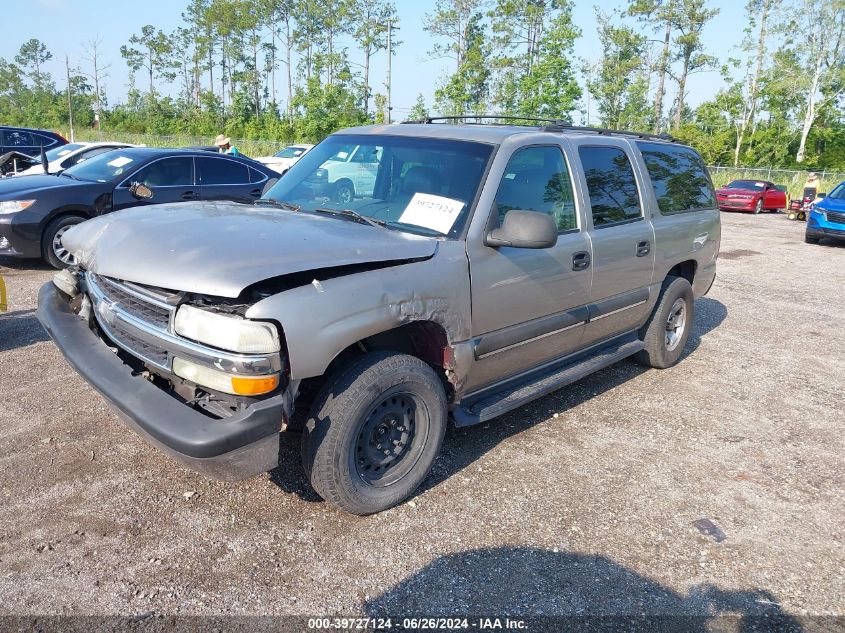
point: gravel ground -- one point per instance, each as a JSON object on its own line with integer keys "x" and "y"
{"x": 712, "y": 487}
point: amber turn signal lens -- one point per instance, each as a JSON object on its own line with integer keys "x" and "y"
{"x": 254, "y": 386}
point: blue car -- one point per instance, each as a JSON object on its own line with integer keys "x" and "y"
{"x": 827, "y": 217}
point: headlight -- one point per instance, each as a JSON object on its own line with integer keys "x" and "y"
{"x": 226, "y": 332}
{"x": 13, "y": 206}
{"x": 221, "y": 381}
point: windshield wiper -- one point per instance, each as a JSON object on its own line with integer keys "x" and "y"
{"x": 349, "y": 213}
{"x": 279, "y": 204}
{"x": 67, "y": 175}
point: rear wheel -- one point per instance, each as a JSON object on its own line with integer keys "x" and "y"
{"x": 374, "y": 432}
{"x": 52, "y": 249}
{"x": 667, "y": 331}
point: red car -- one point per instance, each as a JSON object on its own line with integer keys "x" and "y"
{"x": 750, "y": 195}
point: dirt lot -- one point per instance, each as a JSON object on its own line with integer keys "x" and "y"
{"x": 586, "y": 502}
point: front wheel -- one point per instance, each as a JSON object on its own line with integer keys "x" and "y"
{"x": 667, "y": 331}
{"x": 52, "y": 249}
{"x": 374, "y": 431}
{"x": 758, "y": 207}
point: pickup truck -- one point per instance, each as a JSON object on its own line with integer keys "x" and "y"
{"x": 487, "y": 266}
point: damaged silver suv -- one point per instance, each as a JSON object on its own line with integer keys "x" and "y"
{"x": 465, "y": 271}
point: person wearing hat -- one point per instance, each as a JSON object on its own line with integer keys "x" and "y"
{"x": 224, "y": 145}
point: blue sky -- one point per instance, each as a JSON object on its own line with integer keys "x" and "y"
{"x": 65, "y": 24}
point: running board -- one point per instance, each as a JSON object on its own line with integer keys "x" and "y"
{"x": 540, "y": 383}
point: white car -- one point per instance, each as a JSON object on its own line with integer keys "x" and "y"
{"x": 350, "y": 172}
{"x": 282, "y": 160}
{"x": 60, "y": 158}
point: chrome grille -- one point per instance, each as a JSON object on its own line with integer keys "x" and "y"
{"x": 148, "y": 310}
{"x": 835, "y": 217}
{"x": 108, "y": 294}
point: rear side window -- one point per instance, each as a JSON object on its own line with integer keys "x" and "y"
{"x": 537, "y": 179}
{"x": 611, "y": 185}
{"x": 18, "y": 138}
{"x": 167, "y": 172}
{"x": 221, "y": 171}
{"x": 256, "y": 176}
{"x": 680, "y": 179}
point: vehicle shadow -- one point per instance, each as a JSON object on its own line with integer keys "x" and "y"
{"x": 19, "y": 329}
{"x": 564, "y": 591}
{"x": 463, "y": 446}
{"x": 15, "y": 263}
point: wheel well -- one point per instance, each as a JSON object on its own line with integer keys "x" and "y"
{"x": 684, "y": 269}
{"x": 425, "y": 340}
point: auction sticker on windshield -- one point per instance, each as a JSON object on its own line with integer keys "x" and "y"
{"x": 120, "y": 161}
{"x": 432, "y": 212}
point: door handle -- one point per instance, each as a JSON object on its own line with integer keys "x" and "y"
{"x": 189, "y": 195}
{"x": 643, "y": 248}
{"x": 580, "y": 260}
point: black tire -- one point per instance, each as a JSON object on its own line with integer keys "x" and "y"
{"x": 655, "y": 333}
{"x": 811, "y": 240}
{"x": 344, "y": 192}
{"x": 382, "y": 397}
{"x": 55, "y": 256}
{"x": 758, "y": 207}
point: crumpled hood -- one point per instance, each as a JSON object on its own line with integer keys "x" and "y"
{"x": 219, "y": 248}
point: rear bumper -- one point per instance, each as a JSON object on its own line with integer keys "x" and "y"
{"x": 235, "y": 448}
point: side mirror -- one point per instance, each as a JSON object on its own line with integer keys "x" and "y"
{"x": 524, "y": 229}
{"x": 140, "y": 190}
{"x": 269, "y": 185}
{"x": 821, "y": 195}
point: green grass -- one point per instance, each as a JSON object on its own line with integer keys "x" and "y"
{"x": 794, "y": 180}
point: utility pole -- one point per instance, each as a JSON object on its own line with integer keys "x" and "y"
{"x": 389, "y": 64}
{"x": 69, "y": 101}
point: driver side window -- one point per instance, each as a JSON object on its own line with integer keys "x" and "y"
{"x": 537, "y": 179}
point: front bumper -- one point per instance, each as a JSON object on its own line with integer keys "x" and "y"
{"x": 233, "y": 448}
{"x": 736, "y": 205}
{"x": 819, "y": 227}
{"x": 15, "y": 244}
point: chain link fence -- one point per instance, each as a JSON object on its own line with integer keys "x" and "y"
{"x": 791, "y": 178}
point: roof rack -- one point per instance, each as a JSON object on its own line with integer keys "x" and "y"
{"x": 601, "y": 131}
{"x": 551, "y": 125}
{"x": 478, "y": 117}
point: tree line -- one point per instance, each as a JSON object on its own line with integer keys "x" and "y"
{"x": 300, "y": 69}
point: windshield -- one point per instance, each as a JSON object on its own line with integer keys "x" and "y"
{"x": 58, "y": 152}
{"x": 290, "y": 152}
{"x": 838, "y": 193}
{"x": 421, "y": 185}
{"x": 104, "y": 167}
{"x": 756, "y": 185}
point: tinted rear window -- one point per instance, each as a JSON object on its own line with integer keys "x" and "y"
{"x": 611, "y": 185}
{"x": 680, "y": 179}
{"x": 221, "y": 171}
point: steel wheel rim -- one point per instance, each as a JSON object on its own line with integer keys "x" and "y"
{"x": 391, "y": 439}
{"x": 676, "y": 324}
{"x": 58, "y": 248}
{"x": 344, "y": 194}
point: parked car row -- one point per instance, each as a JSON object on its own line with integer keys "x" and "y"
{"x": 36, "y": 210}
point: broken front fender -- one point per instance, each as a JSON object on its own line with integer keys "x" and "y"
{"x": 321, "y": 319}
